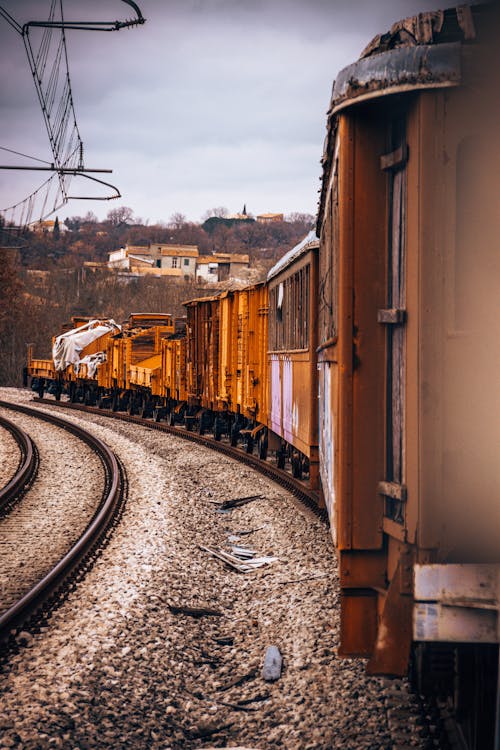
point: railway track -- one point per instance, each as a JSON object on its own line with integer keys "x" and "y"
{"x": 26, "y": 470}
{"x": 31, "y": 587}
{"x": 410, "y": 722}
{"x": 284, "y": 479}
{"x": 148, "y": 652}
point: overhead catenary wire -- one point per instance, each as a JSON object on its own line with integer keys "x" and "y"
{"x": 49, "y": 66}
{"x": 26, "y": 156}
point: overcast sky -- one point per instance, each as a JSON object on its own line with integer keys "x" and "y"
{"x": 210, "y": 103}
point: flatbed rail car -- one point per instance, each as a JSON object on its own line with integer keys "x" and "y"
{"x": 76, "y": 353}
{"x": 292, "y": 360}
{"x": 131, "y": 372}
{"x": 409, "y": 355}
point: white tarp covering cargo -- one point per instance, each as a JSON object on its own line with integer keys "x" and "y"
{"x": 68, "y": 346}
{"x": 92, "y": 361}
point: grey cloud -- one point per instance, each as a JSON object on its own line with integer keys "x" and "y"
{"x": 210, "y": 102}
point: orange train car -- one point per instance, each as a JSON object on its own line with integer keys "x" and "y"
{"x": 202, "y": 352}
{"x": 291, "y": 359}
{"x": 132, "y": 371}
{"x": 409, "y": 354}
{"x": 226, "y": 364}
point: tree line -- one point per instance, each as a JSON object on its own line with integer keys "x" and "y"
{"x": 85, "y": 238}
{"x": 43, "y": 280}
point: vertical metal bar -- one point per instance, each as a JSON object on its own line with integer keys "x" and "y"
{"x": 496, "y": 743}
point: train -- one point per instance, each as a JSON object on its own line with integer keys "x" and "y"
{"x": 367, "y": 364}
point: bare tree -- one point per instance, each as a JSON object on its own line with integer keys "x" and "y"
{"x": 220, "y": 211}
{"x": 177, "y": 221}
{"x": 120, "y": 215}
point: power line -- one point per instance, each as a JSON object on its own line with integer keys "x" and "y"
{"x": 18, "y": 153}
{"x": 48, "y": 62}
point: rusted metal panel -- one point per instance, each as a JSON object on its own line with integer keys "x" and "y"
{"x": 173, "y": 369}
{"x": 292, "y": 345}
{"x": 227, "y": 379}
{"x": 394, "y": 635}
{"x": 252, "y": 351}
{"x": 398, "y": 70}
{"x": 367, "y": 337}
{"x": 358, "y": 622}
{"x": 363, "y": 569}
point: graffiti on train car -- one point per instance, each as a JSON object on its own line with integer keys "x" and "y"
{"x": 327, "y": 444}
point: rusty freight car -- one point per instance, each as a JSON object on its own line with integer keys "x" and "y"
{"x": 409, "y": 354}
{"x": 226, "y": 364}
{"x": 292, "y": 371}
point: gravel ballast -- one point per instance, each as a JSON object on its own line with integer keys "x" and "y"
{"x": 118, "y": 666}
{"x": 47, "y": 521}
{"x": 10, "y": 456}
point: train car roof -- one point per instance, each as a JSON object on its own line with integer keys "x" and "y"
{"x": 417, "y": 53}
{"x": 309, "y": 242}
{"x": 197, "y": 300}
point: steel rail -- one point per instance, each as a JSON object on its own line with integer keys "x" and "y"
{"x": 295, "y": 486}
{"x": 26, "y": 469}
{"x": 39, "y": 596}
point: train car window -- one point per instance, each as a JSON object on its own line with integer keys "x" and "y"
{"x": 289, "y": 312}
{"x": 327, "y": 287}
{"x": 396, "y": 335}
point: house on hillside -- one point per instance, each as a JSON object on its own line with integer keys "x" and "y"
{"x": 156, "y": 259}
{"x": 46, "y": 227}
{"x": 269, "y": 218}
{"x": 221, "y": 266}
{"x": 180, "y": 257}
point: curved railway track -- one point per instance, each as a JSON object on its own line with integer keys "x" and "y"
{"x": 26, "y": 469}
{"x": 298, "y": 488}
{"x": 36, "y": 603}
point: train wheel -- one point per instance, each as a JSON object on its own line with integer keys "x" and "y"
{"x": 296, "y": 467}
{"x": 263, "y": 449}
{"x": 280, "y": 459}
{"x": 249, "y": 444}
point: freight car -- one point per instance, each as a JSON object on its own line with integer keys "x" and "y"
{"x": 409, "y": 356}
{"x": 392, "y": 324}
{"x": 291, "y": 366}
{"x": 226, "y": 365}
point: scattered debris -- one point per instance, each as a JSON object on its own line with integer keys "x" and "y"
{"x": 307, "y": 578}
{"x": 244, "y": 552}
{"x": 235, "y": 537}
{"x": 225, "y": 640}
{"x": 240, "y": 680}
{"x": 250, "y": 531}
{"x": 195, "y": 611}
{"x": 254, "y": 699}
{"x": 249, "y": 563}
{"x": 238, "y": 501}
{"x": 238, "y": 706}
{"x": 273, "y": 663}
